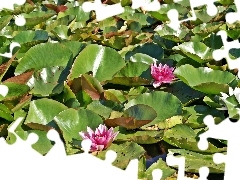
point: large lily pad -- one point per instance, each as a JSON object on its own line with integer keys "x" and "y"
{"x": 99, "y": 60}
{"x": 42, "y": 111}
{"x": 205, "y": 79}
{"x": 165, "y": 104}
{"x": 197, "y": 51}
{"x": 44, "y": 55}
{"x": 72, "y": 121}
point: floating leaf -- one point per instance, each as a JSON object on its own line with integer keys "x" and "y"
{"x": 91, "y": 86}
{"x": 140, "y": 136}
{"x": 4, "y": 21}
{"x": 42, "y": 111}
{"x": 170, "y": 122}
{"x": 205, "y": 79}
{"x": 4, "y": 67}
{"x": 114, "y": 95}
{"x": 99, "y": 61}
{"x": 5, "y": 113}
{"x": 133, "y": 69}
{"x": 35, "y": 18}
{"x": 130, "y": 81}
{"x": 195, "y": 50}
{"x": 165, "y": 104}
{"x": 140, "y": 112}
{"x": 23, "y": 37}
{"x": 168, "y": 33}
{"x": 198, "y": 112}
{"x": 20, "y": 79}
{"x": 71, "y": 122}
{"x": 99, "y": 108}
{"x": 15, "y": 90}
{"x": 183, "y": 92}
{"x": 127, "y": 122}
{"x": 43, "y": 56}
{"x": 150, "y": 49}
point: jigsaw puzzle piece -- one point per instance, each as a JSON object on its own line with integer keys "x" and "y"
{"x": 21, "y": 158}
{"x": 10, "y": 4}
{"x": 216, "y": 131}
{"x": 180, "y": 162}
{"x": 58, "y": 150}
{"x": 20, "y": 20}
{"x": 126, "y": 174}
{"x": 171, "y": 160}
{"x": 211, "y": 8}
{"x": 231, "y": 163}
{"x": 86, "y": 145}
{"x": 87, "y": 164}
{"x": 24, "y": 147}
{"x": 147, "y": 5}
{"x": 103, "y": 11}
{"x": 224, "y": 52}
{"x": 157, "y": 174}
{"x": 173, "y": 14}
{"x": 3, "y": 90}
{"x": 12, "y": 46}
{"x": 232, "y": 17}
{"x": 19, "y": 155}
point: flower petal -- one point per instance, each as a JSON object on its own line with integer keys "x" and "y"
{"x": 156, "y": 84}
{"x": 101, "y": 138}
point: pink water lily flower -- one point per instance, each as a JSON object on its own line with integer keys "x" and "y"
{"x": 161, "y": 74}
{"x": 101, "y": 138}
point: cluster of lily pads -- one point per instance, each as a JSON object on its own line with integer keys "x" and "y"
{"x": 131, "y": 77}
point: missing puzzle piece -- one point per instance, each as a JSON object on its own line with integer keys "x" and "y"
{"x": 173, "y": 14}
{"x": 103, "y": 11}
{"x": 12, "y": 46}
{"x": 19, "y": 19}
{"x": 232, "y": 17}
{"x": 146, "y": 5}
{"x": 232, "y": 158}
{"x": 3, "y": 90}
{"x": 224, "y": 52}
{"x": 10, "y": 4}
{"x": 18, "y": 155}
{"x": 180, "y": 162}
{"x": 23, "y": 159}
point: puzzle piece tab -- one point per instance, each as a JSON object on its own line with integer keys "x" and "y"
{"x": 173, "y": 14}
{"x": 10, "y": 4}
{"x": 3, "y": 90}
{"x": 232, "y": 17}
{"x": 103, "y": 11}
{"x": 12, "y": 46}
{"x": 180, "y": 162}
{"x": 20, "y": 20}
{"x": 218, "y": 131}
{"x": 57, "y": 165}
{"x": 146, "y": 5}
{"x": 224, "y": 52}
{"x": 157, "y": 174}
